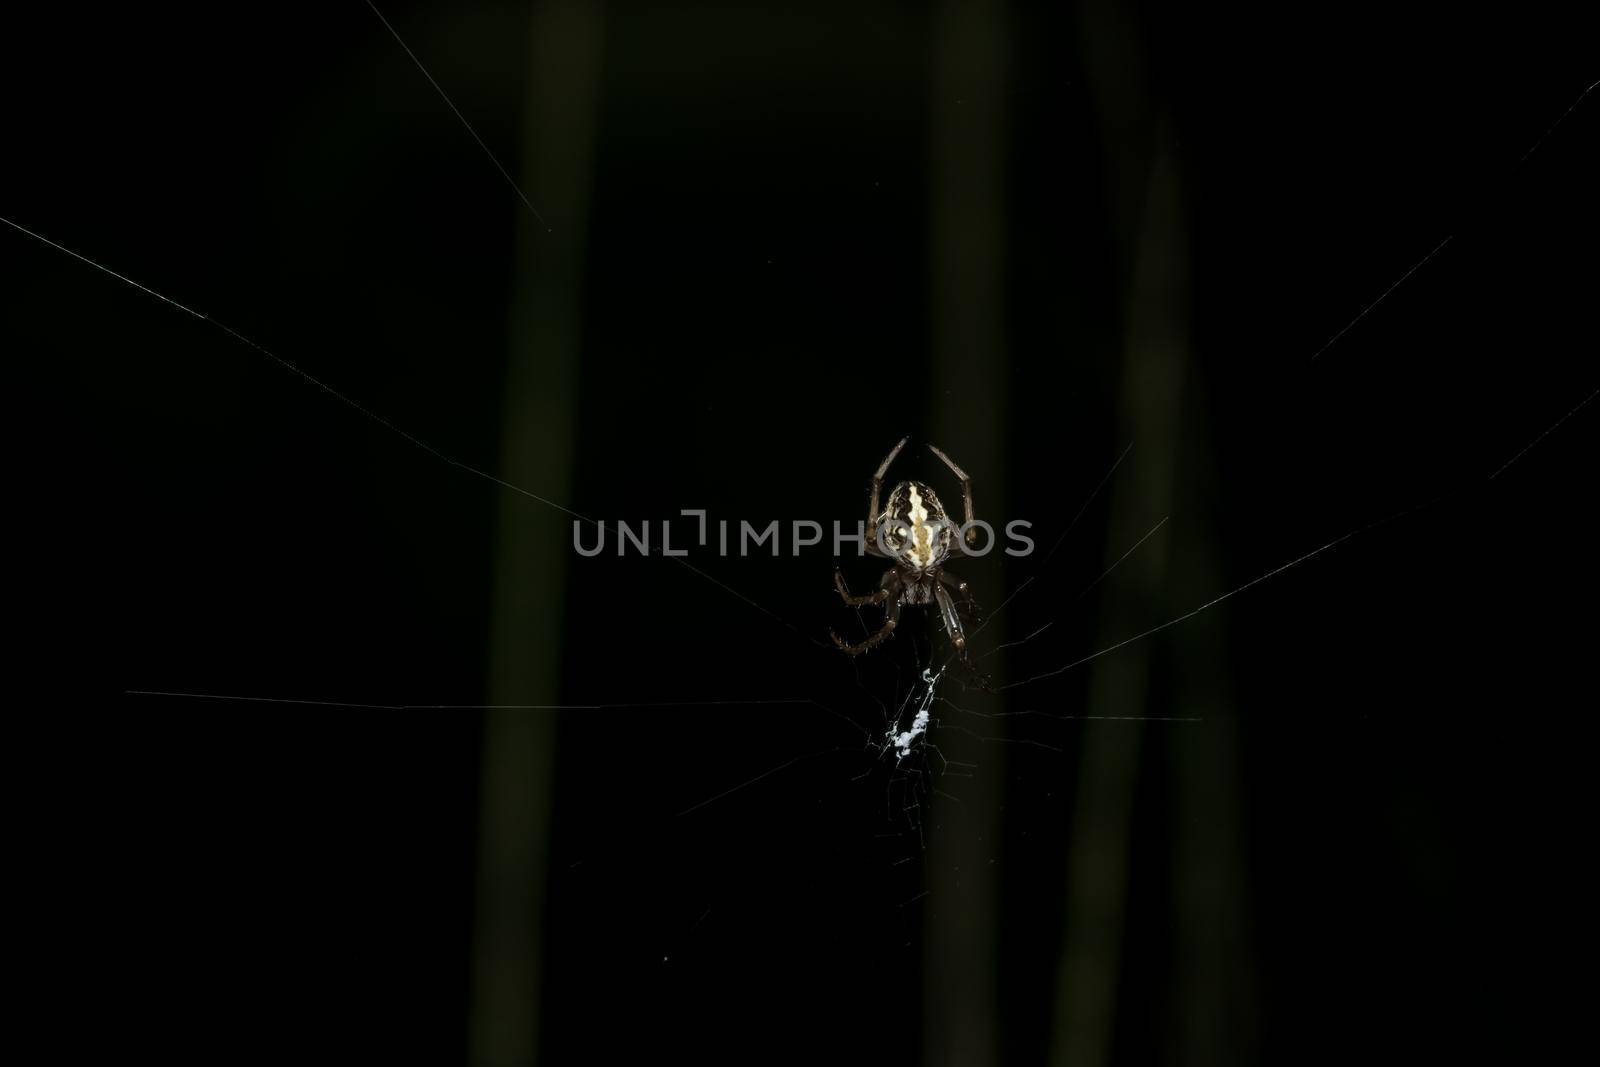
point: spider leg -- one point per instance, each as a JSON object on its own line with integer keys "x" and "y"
{"x": 857, "y": 601}
{"x": 967, "y": 483}
{"x": 962, "y": 590}
{"x": 891, "y": 618}
{"x": 967, "y": 498}
{"x": 952, "y": 621}
{"x": 877, "y": 487}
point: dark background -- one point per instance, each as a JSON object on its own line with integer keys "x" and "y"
{"x": 1371, "y": 844}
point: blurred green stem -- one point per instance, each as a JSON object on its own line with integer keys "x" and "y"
{"x": 525, "y": 668}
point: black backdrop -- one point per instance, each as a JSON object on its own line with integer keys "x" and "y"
{"x": 1403, "y": 730}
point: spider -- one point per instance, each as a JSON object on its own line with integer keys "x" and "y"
{"x": 914, "y": 531}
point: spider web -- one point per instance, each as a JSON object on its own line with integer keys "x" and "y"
{"x": 908, "y": 735}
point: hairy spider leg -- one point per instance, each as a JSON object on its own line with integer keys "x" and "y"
{"x": 891, "y": 619}
{"x": 877, "y": 493}
{"x": 952, "y": 621}
{"x": 966, "y": 491}
{"x": 883, "y": 593}
{"x": 962, "y": 590}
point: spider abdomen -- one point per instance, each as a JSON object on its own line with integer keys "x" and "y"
{"x": 914, "y": 526}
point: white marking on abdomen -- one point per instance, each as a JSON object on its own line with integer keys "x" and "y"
{"x": 921, "y": 551}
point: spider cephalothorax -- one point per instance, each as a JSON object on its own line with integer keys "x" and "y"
{"x": 914, "y": 531}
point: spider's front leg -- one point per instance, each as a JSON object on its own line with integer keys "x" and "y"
{"x": 966, "y": 499}
{"x": 964, "y": 592}
{"x": 952, "y": 626}
{"x": 877, "y": 486}
{"x": 952, "y": 620}
{"x": 890, "y": 594}
{"x": 859, "y": 601}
